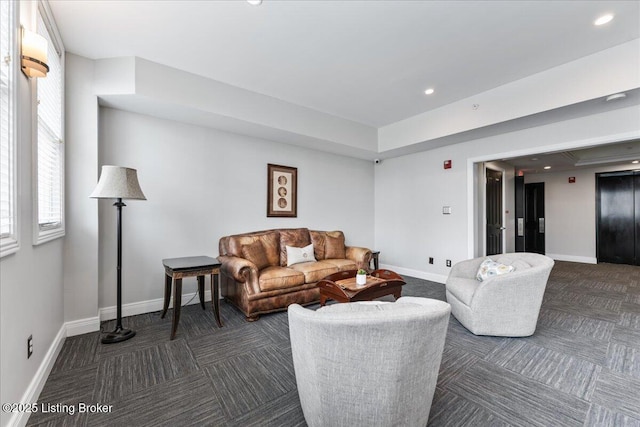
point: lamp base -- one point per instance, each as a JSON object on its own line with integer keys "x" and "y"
{"x": 118, "y": 335}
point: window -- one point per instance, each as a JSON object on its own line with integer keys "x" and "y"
{"x": 8, "y": 88}
{"x": 50, "y": 141}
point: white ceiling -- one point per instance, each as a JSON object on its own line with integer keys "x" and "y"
{"x": 619, "y": 155}
{"x": 367, "y": 61}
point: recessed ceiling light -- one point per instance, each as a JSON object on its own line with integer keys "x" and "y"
{"x": 429, "y": 91}
{"x": 603, "y": 19}
{"x": 547, "y": 167}
{"x": 635, "y": 162}
{"x": 254, "y": 2}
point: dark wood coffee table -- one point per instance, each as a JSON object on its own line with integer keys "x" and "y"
{"x": 342, "y": 287}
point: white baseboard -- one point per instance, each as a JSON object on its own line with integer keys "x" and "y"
{"x": 439, "y": 278}
{"x": 31, "y": 395}
{"x": 573, "y": 258}
{"x": 149, "y": 306}
{"x": 82, "y": 326}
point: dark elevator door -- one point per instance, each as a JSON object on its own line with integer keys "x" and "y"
{"x": 534, "y": 222}
{"x": 618, "y": 217}
{"x": 494, "y": 212}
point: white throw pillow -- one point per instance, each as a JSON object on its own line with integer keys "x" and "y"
{"x": 298, "y": 255}
{"x": 490, "y": 268}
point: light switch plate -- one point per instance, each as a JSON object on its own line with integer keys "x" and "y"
{"x": 446, "y": 210}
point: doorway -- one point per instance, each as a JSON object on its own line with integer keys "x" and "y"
{"x": 495, "y": 227}
{"x": 618, "y": 217}
{"x": 519, "y": 211}
{"x": 534, "y": 222}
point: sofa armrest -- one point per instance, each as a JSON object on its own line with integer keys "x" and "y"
{"x": 242, "y": 270}
{"x": 467, "y": 269}
{"x": 361, "y": 256}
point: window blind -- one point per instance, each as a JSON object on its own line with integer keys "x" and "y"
{"x": 7, "y": 122}
{"x": 50, "y": 142}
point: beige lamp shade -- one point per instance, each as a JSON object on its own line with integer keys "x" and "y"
{"x": 117, "y": 182}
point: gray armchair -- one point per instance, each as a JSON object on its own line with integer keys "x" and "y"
{"x": 507, "y": 305}
{"x": 368, "y": 364}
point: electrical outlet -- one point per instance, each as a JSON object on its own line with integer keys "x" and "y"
{"x": 448, "y": 263}
{"x": 29, "y": 346}
{"x": 430, "y": 260}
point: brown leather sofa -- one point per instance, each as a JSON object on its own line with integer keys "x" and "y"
{"x": 254, "y": 275}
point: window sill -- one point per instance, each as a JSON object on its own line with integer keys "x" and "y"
{"x": 44, "y": 236}
{"x": 8, "y": 246}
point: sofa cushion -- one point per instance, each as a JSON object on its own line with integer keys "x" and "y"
{"x": 490, "y": 268}
{"x": 317, "y": 238}
{"x": 255, "y": 253}
{"x": 342, "y": 264}
{"x": 270, "y": 242}
{"x": 328, "y": 244}
{"x": 298, "y": 255}
{"x": 298, "y": 237}
{"x": 274, "y": 277}
{"x": 314, "y": 271}
{"x": 334, "y": 245}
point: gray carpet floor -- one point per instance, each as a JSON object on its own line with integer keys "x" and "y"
{"x": 580, "y": 368}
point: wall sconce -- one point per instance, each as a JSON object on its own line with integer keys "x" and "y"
{"x": 34, "y": 54}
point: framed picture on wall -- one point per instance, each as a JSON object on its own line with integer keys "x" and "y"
{"x": 282, "y": 191}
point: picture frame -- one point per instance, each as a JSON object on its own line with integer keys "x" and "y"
{"x": 282, "y": 191}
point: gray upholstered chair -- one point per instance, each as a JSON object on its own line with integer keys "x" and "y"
{"x": 506, "y": 305}
{"x": 369, "y": 363}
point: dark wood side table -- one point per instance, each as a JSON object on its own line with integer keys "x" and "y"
{"x": 196, "y": 266}
{"x": 374, "y": 258}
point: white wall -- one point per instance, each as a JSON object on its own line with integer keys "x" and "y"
{"x": 31, "y": 280}
{"x": 81, "y": 151}
{"x": 570, "y": 212}
{"x": 411, "y": 190}
{"x": 202, "y": 184}
{"x": 409, "y": 224}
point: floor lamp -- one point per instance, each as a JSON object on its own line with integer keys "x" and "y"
{"x": 119, "y": 183}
